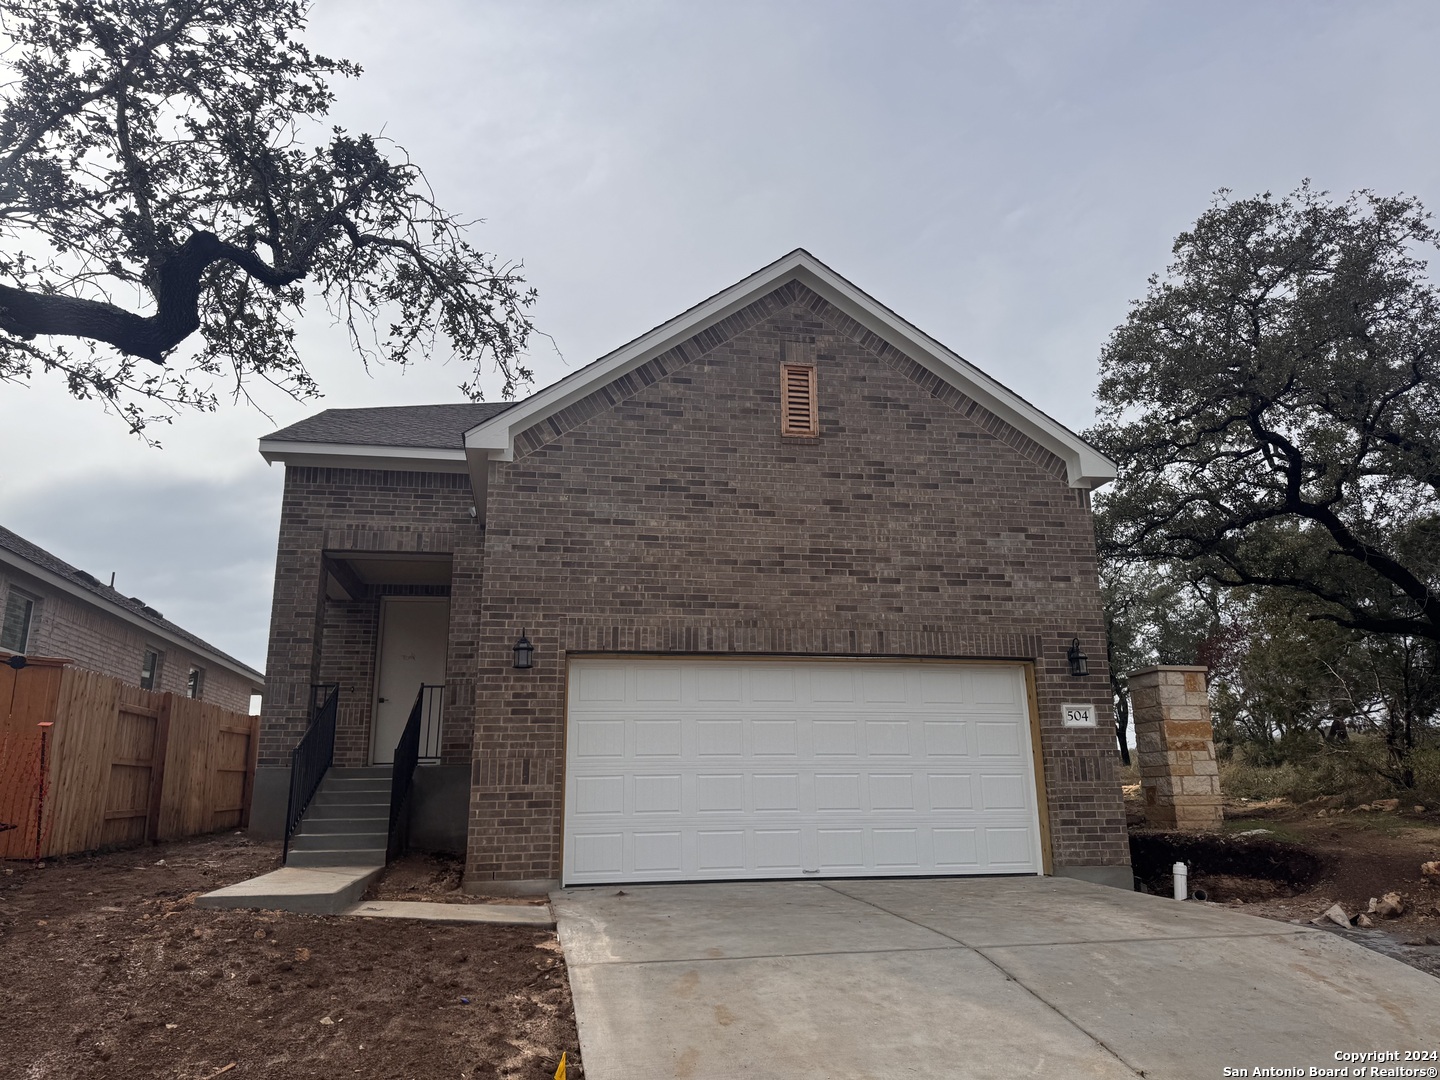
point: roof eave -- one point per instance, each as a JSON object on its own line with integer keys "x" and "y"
{"x": 64, "y": 584}
{"x": 351, "y": 456}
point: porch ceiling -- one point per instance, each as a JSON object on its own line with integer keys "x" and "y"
{"x": 349, "y": 572}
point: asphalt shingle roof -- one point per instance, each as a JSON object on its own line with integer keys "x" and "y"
{"x": 431, "y": 427}
{"x": 18, "y": 545}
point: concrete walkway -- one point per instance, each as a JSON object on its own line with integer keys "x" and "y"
{"x": 336, "y": 890}
{"x": 977, "y": 977}
{"x": 534, "y": 915}
{"x": 310, "y": 890}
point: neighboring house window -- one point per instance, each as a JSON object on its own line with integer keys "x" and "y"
{"x": 799, "y": 413}
{"x": 194, "y": 682}
{"x": 149, "y": 668}
{"x": 19, "y": 616}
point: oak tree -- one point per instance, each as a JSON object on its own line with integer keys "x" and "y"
{"x": 1274, "y": 404}
{"x": 170, "y": 197}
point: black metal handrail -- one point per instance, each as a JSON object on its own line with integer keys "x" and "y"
{"x": 431, "y": 715}
{"x": 312, "y": 756}
{"x": 402, "y": 773}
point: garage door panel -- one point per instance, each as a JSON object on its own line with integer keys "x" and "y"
{"x": 775, "y": 738}
{"x": 712, "y": 769}
{"x": 600, "y": 738}
{"x": 947, "y": 738}
{"x": 720, "y": 793}
{"x": 955, "y": 849}
{"x": 1007, "y": 847}
{"x": 599, "y": 795}
{"x": 1003, "y": 792}
{"x": 835, "y": 738}
{"x": 658, "y": 794}
{"x": 997, "y": 738}
{"x": 775, "y": 793}
{"x": 720, "y": 851}
{"x": 888, "y": 738}
{"x": 720, "y": 738}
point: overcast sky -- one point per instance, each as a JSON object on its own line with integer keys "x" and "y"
{"x": 1003, "y": 175}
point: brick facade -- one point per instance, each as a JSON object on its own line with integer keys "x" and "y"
{"x": 313, "y": 639}
{"x": 98, "y": 641}
{"x": 665, "y": 513}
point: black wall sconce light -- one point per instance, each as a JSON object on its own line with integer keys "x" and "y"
{"x": 1079, "y": 662}
{"x": 523, "y": 652}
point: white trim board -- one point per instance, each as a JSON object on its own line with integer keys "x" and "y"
{"x": 350, "y": 456}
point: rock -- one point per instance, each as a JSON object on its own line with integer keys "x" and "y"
{"x": 1418, "y": 808}
{"x": 1364, "y": 921}
{"x": 1255, "y": 832}
{"x": 1430, "y": 871}
{"x": 327, "y": 1021}
{"x": 1390, "y": 806}
{"x": 1335, "y": 914}
{"x": 1390, "y": 906}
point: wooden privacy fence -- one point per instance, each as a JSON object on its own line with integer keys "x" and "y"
{"x": 88, "y": 762}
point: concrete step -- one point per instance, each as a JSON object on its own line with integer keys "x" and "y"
{"x": 373, "y": 786}
{"x": 319, "y": 810}
{"x": 337, "y": 857}
{"x": 367, "y": 772}
{"x": 311, "y": 890}
{"x": 335, "y": 796}
{"x": 336, "y": 841}
{"x": 313, "y": 826}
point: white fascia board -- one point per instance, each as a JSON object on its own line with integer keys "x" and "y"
{"x": 1086, "y": 467}
{"x": 346, "y": 456}
{"x": 65, "y": 585}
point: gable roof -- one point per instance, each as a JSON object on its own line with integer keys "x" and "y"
{"x": 386, "y": 437}
{"x": 494, "y": 437}
{"x": 440, "y": 427}
{"x": 30, "y": 558}
{"x": 462, "y": 438}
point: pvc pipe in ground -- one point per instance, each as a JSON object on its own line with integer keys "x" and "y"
{"x": 1182, "y": 875}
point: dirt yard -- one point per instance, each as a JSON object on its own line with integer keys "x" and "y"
{"x": 1292, "y": 863}
{"x": 107, "y": 969}
{"x": 434, "y": 879}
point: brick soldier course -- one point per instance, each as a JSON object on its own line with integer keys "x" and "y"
{"x": 1175, "y": 744}
{"x": 655, "y": 508}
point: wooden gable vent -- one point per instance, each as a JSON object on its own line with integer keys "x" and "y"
{"x": 799, "y": 412}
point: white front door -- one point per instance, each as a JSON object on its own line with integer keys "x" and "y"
{"x": 413, "y": 638}
{"x": 691, "y": 769}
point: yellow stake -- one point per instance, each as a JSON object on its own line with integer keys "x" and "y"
{"x": 560, "y": 1072}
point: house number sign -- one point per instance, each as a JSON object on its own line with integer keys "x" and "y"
{"x": 1078, "y": 715}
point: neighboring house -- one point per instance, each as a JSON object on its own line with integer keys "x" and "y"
{"x": 49, "y": 608}
{"x": 801, "y": 585}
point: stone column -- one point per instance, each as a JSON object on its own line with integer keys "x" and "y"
{"x": 1176, "y": 746}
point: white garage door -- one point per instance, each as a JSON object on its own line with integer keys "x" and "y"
{"x": 681, "y": 770}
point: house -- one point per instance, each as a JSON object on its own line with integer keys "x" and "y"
{"x": 49, "y": 608}
{"x": 782, "y": 588}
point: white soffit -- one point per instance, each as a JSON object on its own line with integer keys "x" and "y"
{"x": 344, "y": 455}
{"x": 1085, "y": 466}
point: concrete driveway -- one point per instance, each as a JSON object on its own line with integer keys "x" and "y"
{"x": 974, "y": 977}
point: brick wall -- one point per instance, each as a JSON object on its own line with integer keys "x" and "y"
{"x": 97, "y": 641}
{"x": 666, "y": 513}
{"x": 313, "y": 639}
